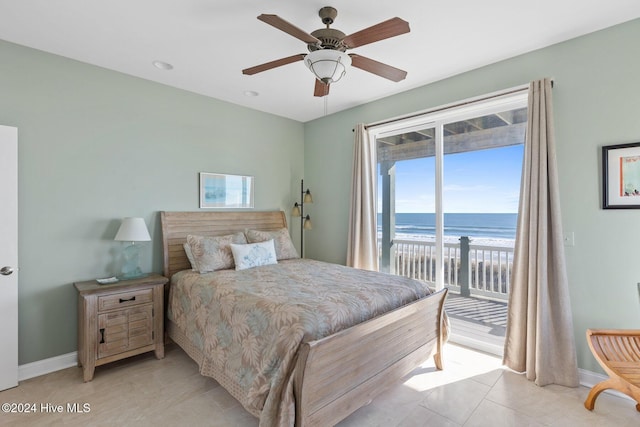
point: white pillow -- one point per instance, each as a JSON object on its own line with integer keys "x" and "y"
{"x": 254, "y": 254}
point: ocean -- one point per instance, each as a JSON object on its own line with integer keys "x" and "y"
{"x": 482, "y": 228}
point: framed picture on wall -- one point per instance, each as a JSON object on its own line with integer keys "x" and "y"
{"x": 225, "y": 191}
{"x": 621, "y": 176}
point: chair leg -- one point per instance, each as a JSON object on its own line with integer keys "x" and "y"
{"x": 612, "y": 383}
{"x": 590, "y": 402}
{"x": 437, "y": 358}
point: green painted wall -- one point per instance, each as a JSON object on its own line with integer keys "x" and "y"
{"x": 596, "y": 101}
{"x": 95, "y": 146}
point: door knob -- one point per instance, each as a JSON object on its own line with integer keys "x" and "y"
{"x": 5, "y": 271}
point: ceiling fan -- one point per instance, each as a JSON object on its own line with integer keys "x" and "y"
{"x": 327, "y": 58}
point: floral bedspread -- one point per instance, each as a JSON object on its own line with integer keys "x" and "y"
{"x": 250, "y": 323}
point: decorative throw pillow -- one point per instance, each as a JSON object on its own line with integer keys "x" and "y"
{"x": 214, "y": 253}
{"x": 192, "y": 262}
{"x": 254, "y": 254}
{"x": 281, "y": 239}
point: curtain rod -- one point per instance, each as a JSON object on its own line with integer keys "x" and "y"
{"x": 449, "y": 106}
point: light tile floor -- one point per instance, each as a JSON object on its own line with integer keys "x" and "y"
{"x": 472, "y": 390}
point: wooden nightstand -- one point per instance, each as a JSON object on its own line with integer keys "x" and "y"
{"x": 119, "y": 320}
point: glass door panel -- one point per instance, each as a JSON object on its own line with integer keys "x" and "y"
{"x": 406, "y": 203}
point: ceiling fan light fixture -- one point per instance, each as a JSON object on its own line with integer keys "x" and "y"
{"x": 328, "y": 65}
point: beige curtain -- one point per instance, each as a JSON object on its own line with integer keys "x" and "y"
{"x": 362, "y": 247}
{"x": 540, "y": 337}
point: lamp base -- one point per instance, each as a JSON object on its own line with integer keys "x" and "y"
{"x": 130, "y": 268}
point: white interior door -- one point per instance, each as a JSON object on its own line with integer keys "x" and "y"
{"x": 8, "y": 257}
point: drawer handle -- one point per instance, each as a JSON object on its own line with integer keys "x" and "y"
{"x": 101, "y": 335}
{"x": 133, "y": 298}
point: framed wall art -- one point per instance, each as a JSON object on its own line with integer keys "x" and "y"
{"x": 621, "y": 176}
{"x": 226, "y": 191}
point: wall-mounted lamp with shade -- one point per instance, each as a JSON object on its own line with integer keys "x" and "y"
{"x": 298, "y": 211}
{"x": 132, "y": 230}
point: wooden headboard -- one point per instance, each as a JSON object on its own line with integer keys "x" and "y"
{"x": 177, "y": 225}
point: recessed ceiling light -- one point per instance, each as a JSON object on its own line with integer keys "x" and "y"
{"x": 251, "y": 93}
{"x": 162, "y": 65}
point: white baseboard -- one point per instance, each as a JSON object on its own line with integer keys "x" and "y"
{"x": 46, "y": 366}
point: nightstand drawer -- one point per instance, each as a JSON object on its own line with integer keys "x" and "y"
{"x": 124, "y": 299}
{"x": 125, "y": 330}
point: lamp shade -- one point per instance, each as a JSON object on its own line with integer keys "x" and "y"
{"x": 328, "y": 65}
{"x": 307, "y": 197}
{"x": 307, "y": 223}
{"x": 296, "y": 210}
{"x": 133, "y": 230}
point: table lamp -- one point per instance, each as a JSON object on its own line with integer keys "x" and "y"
{"x": 132, "y": 230}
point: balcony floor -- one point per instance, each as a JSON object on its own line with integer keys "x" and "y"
{"x": 477, "y": 323}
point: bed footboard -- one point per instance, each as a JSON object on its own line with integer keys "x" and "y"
{"x": 335, "y": 376}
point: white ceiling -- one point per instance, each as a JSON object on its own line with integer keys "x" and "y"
{"x": 209, "y": 42}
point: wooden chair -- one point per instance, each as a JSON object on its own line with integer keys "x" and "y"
{"x": 618, "y": 352}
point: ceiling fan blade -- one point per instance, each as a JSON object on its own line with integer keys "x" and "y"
{"x": 273, "y": 64}
{"x": 321, "y": 89}
{"x": 378, "y": 68}
{"x": 384, "y": 30}
{"x": 282, "y": 25}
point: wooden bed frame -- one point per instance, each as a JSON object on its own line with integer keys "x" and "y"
{"x": 336, "y": 375}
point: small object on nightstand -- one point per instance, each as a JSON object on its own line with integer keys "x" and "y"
{"x": 107, "y": 280}
{"x": 118, "y": 320}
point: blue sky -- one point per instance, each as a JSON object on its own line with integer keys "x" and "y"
{"x": 484, "y": 181}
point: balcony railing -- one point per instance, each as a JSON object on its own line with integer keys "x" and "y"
{"x": 478, "y": 270}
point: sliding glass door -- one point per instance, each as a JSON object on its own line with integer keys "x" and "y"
{"x": 448, "y": 190}
{"x": 466, "y": 159}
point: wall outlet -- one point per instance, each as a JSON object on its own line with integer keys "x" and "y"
{"x": 569, "y": 239}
